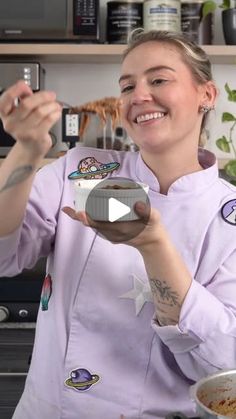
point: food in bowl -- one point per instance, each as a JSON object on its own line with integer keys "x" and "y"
{"x": 215, "y": 395}
{"x": 226, "y": 407}
{"x": 119, "y": 187}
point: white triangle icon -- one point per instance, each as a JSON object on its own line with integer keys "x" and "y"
{"x": 116, "y": 209}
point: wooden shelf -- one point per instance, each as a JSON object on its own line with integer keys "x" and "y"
{"x": 93, "y": 53}
{"x": 221, "y": 54}
{"x": 62, "y": 53}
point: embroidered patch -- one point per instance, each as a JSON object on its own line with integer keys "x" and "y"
{"x": 228, "y": 212}
{"x": 46, "y": 292}
{"x": 81, "y": 379}
{"x": 90, "y": 168}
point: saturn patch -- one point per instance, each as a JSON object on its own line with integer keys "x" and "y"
{"x": 81, "y": 379}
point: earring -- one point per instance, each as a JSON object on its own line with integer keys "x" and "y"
{"x": 206, "y": 108}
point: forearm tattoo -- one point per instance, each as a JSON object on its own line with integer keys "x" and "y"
{"x": 164, "y": 293}
{"x": 167, "y": 301}
{"x": 17, "y": 176}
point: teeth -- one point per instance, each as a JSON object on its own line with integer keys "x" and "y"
{"x": 148, "y": 116}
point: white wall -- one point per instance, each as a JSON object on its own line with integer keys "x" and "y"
{"x": 79, "y": 83}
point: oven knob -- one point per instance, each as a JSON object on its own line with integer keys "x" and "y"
{"x": 23, "y": 312}
{"x": 4, "y": 314}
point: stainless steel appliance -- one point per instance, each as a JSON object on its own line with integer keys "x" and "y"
{"x": 33, "y": 74}
{"x": 32, "y": 19}
{"x": 49, "y": 21}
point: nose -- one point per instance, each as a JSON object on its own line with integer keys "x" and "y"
{"x": 141, "y": 93}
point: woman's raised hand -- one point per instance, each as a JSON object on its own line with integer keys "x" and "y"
{"x": 28, "y": 117}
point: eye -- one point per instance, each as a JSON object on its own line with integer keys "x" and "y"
{"x": 127, "y": 88}
{"x": 158, "y": 81}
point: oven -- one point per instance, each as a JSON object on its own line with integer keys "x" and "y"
{"x": 19, "y": 304}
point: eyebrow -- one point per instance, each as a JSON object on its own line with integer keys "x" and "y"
{"x": 149, "y": 70}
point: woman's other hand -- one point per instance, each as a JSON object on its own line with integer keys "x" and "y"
{"x": 140, "y": 233}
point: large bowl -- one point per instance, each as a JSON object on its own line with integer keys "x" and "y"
{"x": 216, "y": 388}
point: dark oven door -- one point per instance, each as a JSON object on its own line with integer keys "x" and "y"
{"x": 20, "y": 294}
{"x": 19, "y": 303}
{"x": 16, "y": 345}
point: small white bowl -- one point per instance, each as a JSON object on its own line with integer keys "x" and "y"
{"x": 97, "y": 208}
{"x": 82, "y": 189}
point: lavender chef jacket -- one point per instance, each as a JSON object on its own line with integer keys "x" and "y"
{"x": 99, "y": 352}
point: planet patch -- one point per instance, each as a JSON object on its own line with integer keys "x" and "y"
{"x": 90, "y": 168}
{"x": 81, "y": 379}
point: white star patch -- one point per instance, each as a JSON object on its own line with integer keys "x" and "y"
{"x": 140, "y": 293}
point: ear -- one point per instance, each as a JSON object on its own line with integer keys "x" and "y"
{"x": 209, "y": 93}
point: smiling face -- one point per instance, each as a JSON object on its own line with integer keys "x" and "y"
{"x": 160, "y": 97}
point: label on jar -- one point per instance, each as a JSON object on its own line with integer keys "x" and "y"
{"x": 123, "y": 17}
{"x": 162, "y": 15}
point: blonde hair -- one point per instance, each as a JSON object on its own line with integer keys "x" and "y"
{"x": 192, "y": 55}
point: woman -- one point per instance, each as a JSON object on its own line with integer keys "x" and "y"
{"x": 125, "y": 329}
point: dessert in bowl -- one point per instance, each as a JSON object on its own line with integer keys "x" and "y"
{"x": 94, "y": 197}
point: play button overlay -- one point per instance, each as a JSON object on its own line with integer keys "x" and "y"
{"x": 111, "y": 205}
{"x": 116, "y": 209}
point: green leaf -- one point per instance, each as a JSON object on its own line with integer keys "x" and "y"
{"x": 232, "y": 97}
{"x": 231, "y": 93}
{"x": 223, "y": 144}
{"x": 209, "y": 6}
{"x": 227, "y": 88}
{"x": 225, "y": 4}
{"x": 230, "y": 168}
{"x": 227, "y": 117}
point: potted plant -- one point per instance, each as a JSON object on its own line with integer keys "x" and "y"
{"x": 226, "y": 143}
{"x": 228, "y": 18}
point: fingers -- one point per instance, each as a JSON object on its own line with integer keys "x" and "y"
{"x": 138, "y": 233}
{"x": 42, "y": 102}
{"x": 40, "y": 113}
{"x": 7, "y": 99}
{"x": 38, "y": 105}
{"x": 79, "y": 216}
{"x": 142, "y": 210}
{"x": 34, "y": 115}
{"x": 46, "y": 124}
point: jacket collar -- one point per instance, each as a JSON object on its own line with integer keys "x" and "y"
{"x": 190, "y": 183}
